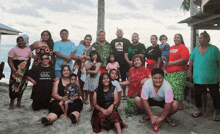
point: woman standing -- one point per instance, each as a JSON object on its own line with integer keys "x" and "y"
{"x": 177, "y": 68}
{"x": 105, "y": 99}
{"x": 18, "y": 60}
{"x": 45, "y": 45}
{"x": 55, "y": 110}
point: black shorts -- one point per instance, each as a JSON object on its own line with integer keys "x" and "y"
{"x": 54, "y": 107}
{"x": 156, "y": 103}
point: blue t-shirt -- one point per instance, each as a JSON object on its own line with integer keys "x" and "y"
{"x": 116, "y": 84}
{"x": 74, "y": 90}
{"x": 65, "y": 49}
{"x": 80, "y": 49}
{"x": 165, "y": 51}
{"x": 205, "y": 67}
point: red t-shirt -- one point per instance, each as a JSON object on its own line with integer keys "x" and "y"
{"x": 176, "y": 53}
{"x": 136, "y": 77}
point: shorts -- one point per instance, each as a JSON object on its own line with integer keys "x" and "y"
{"x": 156, "y": 103}
{"x": 68, "y": 100}
{"x": 166, "y": 57}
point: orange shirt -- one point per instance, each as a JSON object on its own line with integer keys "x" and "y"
{"x": 176, "y": 53}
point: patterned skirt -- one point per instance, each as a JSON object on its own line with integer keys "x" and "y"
{"x": 177, "y": 81}
{"x": 100, "y": 121}
{"x": 131, "y": 109}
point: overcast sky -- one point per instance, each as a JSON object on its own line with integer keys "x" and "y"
{"x": 146, "y": 17}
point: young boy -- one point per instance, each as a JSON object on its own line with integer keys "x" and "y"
{"x": 72, "y": 91}
{"x": 165, "y": 49}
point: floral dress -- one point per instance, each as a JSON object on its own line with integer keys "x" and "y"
{"x": 43, "y": 50}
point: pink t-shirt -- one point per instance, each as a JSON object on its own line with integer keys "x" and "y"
{"x": 112, "y": 66}
{"x": 17, "y": 53}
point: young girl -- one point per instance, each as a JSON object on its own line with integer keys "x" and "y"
{"x": 137, "y": 76}
{"x": 42, "y": 77}
{"x": 83, "y": 78}
{"x": 18, "y": 60}
{"x": 93, "y": 73}
{"x": 113, "y": 76}
{"x": 112, "y": 64}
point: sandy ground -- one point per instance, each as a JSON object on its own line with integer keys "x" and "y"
{"x": 25, "y": 120}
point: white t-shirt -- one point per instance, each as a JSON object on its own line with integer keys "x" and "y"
{"x": 116, "y": 84}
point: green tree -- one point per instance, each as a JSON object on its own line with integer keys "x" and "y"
{"x": 185, "y": 5}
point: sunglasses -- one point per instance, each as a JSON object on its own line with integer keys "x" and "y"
{"x": 46, "y": 58}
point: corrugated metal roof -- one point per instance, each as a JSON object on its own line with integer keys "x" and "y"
{"x": 2, "y": 26}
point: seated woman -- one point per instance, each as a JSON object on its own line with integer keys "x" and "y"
{"x": 55, "y": 110}
{"x": 137, "y": 76}
{"x": 105, "y": 98}
{"x": 158, "y": 92}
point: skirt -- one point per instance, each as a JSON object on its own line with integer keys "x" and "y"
{"x": 131, "y": 109}
{"x": 100, "y": 121}
{"x": 177, "y": 81}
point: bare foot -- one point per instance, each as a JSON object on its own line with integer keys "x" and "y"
{"x": 90, "y": 109}
{"x": 11, "y": 107}
{"x": 125, "y": 125}
{"x": 20, "y": 106}
{"x": 64, "y": 117}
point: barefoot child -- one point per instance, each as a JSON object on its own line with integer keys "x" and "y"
{"x": 18, "y": 60}
{"x": 72, "y": 92}
{"x": 165, "y": 49}
{"x": 112, "y": 64}
{"x": 83, "y": 77}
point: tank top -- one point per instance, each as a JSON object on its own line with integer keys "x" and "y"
{"x": 61, "y": 88}
{"x": 88, "y": 51}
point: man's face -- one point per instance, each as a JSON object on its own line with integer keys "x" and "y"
{"x": 119, "y": 33}
{"x": 64, "y": 35}
{"x": 135, "y": 38}
{"x": 101, "y": 37}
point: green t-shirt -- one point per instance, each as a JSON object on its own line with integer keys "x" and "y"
{"x": 103, "y": 51}
{"x": 205, "y": 67}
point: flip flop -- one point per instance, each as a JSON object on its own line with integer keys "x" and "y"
{"x": 144, "y": 119}
{"x": 195, "y": 115}
{"x": 45, "y": 121}
{"x": 216, "y": 117}
{"x": 124, "y": 97}
{"x": 170, "y": 122}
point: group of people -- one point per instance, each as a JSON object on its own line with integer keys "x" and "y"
{"x": 102, "y": 71}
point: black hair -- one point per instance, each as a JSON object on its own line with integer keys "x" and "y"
{"x": 163, "y": 36}
{"x": 42, "y": 54}
{"x": 72, "y": 75}
{"x": 154, "y": 36}
{"x": 157, "y": 71}
{"x": 136, "y": 34}
{"x": 62, "y": 67}
{"x": 88, "y": 35}
{"x": 109, "y": 57}
{"x": 137, "y": 56}
{"x": 93, "y": 52}
{"x": 111, "y": 71}
{"x": 205, "y": 35}
{"x": 182, "y": 42}
{"x": 50, "y": 42}
{"x": 63, "y": 31}
{"x": 19, "y": 38}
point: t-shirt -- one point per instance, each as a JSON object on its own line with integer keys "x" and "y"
{"x": 205, "y": 67}
{"x": 73, "y": 90}
{"x": 103, "y": 51}
{"x": 44, "y": 82}
{"x": 116, "y": 84}
{"x": 17, "y": 53}
{"x": 112, "y": 66}
{"x": 165, "y": 92}
{"x": 135, "y": 80}
{"x": 176, "y": 53}
{"x": 119, "y": 47}
{"x": 166, "y": 49}
{"x": 65, "y": 48}
{"x": 136, "y": 49}
{"x": 80, "y": 49}
{"x": 153, "y": 52}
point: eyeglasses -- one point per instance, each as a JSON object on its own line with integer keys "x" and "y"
{"x": 46, "y": 58}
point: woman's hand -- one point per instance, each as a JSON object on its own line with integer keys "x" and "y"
{"x": 104, "y": 111}
{"x": 170, "y": 63}
{"x": 110, "y": 109}
{"x": 64, "y": 98}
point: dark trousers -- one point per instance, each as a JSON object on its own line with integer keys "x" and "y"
{"x": 40, "y": 104}
{"x": 199, "y": 89}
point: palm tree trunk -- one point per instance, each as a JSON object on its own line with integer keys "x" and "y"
{"x": 194, "y": 32}
{"x": 101, "y": 16}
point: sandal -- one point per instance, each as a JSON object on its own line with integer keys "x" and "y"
{"x": 144, "y": 119}
{"x": 124, "y": 97}
{"x": 196, "y": 114}
{"x": 170, "y": 122}
{"x": 216, "y": 117}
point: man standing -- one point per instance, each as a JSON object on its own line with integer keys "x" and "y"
{"x": 119, "y": 46}
{"x": 104, "y": 49}
{"x": 65, "y": 51}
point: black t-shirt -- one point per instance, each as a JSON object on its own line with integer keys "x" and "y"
{"x": 153, "y": 52}
{"x": 136, "y": 49}
{"x": 44, "y": 82}
{"x": 119, "y": 47}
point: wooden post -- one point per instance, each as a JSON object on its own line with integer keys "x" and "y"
{"x": 101, "y": 17}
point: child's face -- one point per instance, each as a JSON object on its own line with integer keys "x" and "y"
{"x": 137, "y": 62}
{"x": 21, "y": 43}
{"x": 163, "y": 40}
{"x": 153, "y": 40}
{"x": 94, "y": 57}
{"x": 83, "y": 60}
{"x": 45, "y": 60}
{"x": 113, "y": 75}
{"x": 73, "y": 80}
{"x": 112, "y": 58}
{"x": 105, "y": 80}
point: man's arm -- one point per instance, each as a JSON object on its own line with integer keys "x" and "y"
{"x": 148, "y": 110}
{"x": 57, "y": 53}
{"x": 165, "y": 112}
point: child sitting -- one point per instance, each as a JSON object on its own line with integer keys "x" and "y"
{"x": 165, "y": 49}
{"x": 72, "y": 91}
